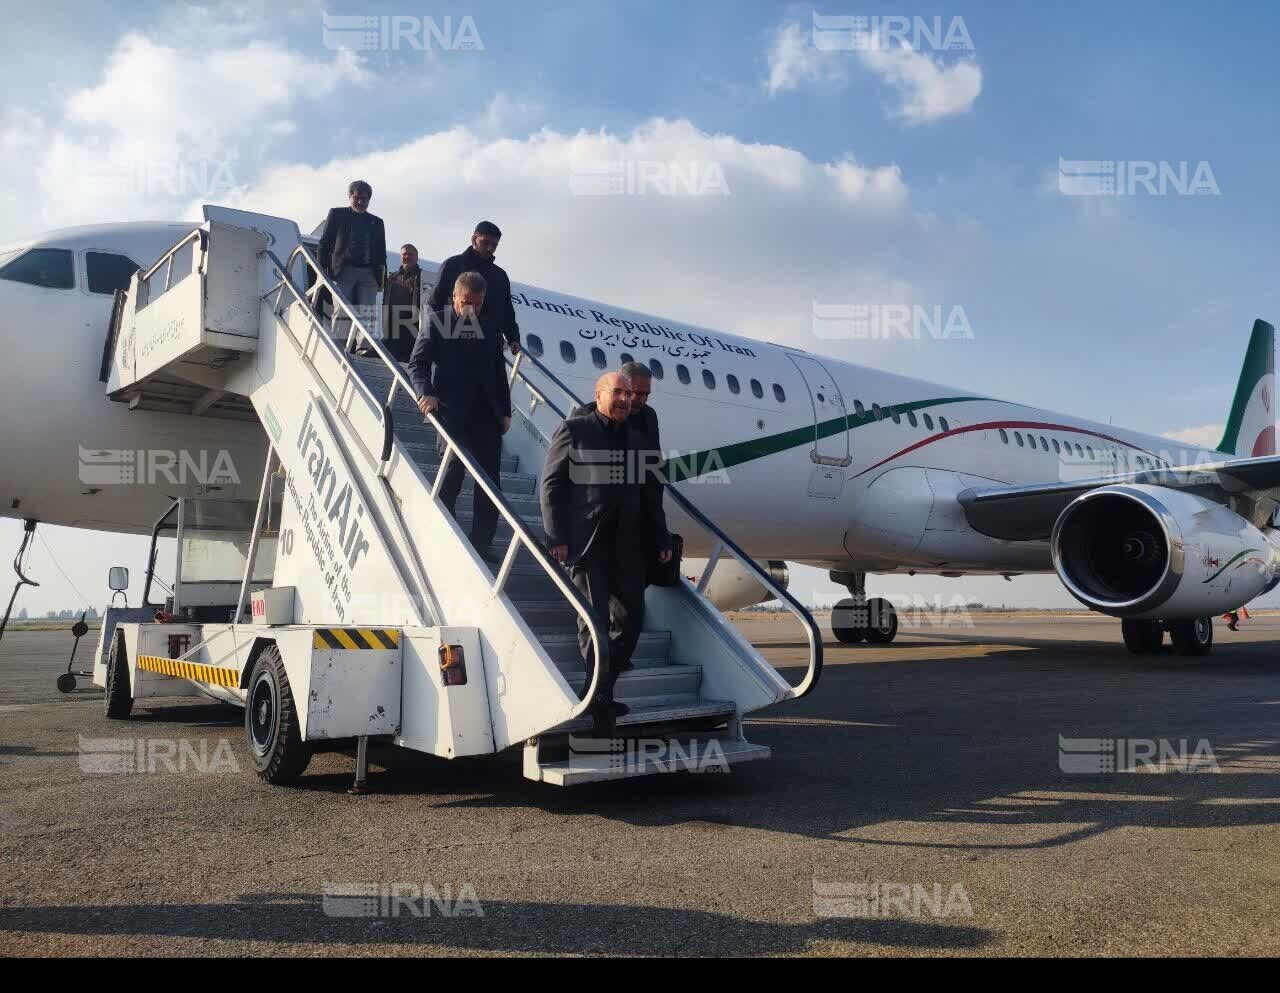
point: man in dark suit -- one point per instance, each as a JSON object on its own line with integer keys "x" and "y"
{"x": 595, "y": 516}
{"x": 458, "y": 373}
{"x": 499, "y": 312}
{"x": 643, "y": 422}
{"x": 353, "y": 251}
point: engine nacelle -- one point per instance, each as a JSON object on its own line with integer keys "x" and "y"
{"x": 1150, "y": 552}
{"x": 732, "y": 587}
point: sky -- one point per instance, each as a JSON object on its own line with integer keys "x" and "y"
{"x": 913, "y": 159}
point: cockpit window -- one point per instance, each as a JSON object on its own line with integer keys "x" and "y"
{"x": 108, "y": 273}
{"x": 51, "y": 268}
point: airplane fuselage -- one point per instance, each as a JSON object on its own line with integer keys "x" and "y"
{"x": 796, "y": 455}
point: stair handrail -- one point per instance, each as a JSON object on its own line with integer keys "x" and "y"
{"x": 723, "y": 542}
{"x": 520, "y": 533}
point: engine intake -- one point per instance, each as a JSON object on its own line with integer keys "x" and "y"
{"x": 1154, "y": 552}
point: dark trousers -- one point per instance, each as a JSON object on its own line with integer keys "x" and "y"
{"x": 480, "y": 434}
{"x": 614, "y": 586}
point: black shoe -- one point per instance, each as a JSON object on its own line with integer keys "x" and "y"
{"x": 625, "y": 667}
{"x": 601, "y": 721}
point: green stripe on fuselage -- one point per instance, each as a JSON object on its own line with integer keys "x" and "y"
{"x": 684, "y": 467}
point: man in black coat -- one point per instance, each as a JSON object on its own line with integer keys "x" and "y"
{"x": 596, "y": 520}
{"x": 499, "y": 312}
{"x": 458, "y": 373}
{"x": 353, "y": 251}
{"x": 643, "y": 422}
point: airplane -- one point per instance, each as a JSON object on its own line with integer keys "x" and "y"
{"x": 799, "y": 457}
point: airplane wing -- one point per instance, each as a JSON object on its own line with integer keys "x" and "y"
{"x": 1249, "y": 486}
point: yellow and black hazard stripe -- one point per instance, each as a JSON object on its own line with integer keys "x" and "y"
{"x": 190, "y": 670}
{"x": 349, "y": 639}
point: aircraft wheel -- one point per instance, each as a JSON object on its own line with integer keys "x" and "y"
{"x": 1194, "y": 637}
{"x": 271, "y": 723}
{"x": 848, "y": 622}
{"x": 883, "y": 617}
{"x": 1142, "y": 637}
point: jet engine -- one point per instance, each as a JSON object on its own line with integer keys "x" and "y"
{"x": 732, "y": 587}
{"x": 1150, "y": 552}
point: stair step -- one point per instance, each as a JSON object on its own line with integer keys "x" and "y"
{"x": 691, "y": 709}
{"x": 695, "y": 754}
{"x": 425, "y": 454}
{"x": 513, "y": 484}
{"x": 653, "y": 649}
{"x": 649, "y": 686}
{"x": 503, "y": 535}
{"x": 547, "y": 616}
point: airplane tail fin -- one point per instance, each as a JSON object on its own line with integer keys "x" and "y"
{"x": 1251, "y": 428}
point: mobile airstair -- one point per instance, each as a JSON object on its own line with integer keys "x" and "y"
{"x": 359, "y": 609}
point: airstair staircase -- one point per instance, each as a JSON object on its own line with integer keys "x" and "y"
{"x": 235, "y": 316}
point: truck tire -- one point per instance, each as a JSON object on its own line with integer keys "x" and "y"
{"x": 271, "y": 723}
{"x": 117, "y": 701}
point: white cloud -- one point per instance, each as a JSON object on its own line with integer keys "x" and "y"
{"x": 1206, "y": 436}
{"x": 162, "y": 123}
{"x": 930, "y": 90}
{"x": 793, "y": 60}
{"x": 790, "y": 230}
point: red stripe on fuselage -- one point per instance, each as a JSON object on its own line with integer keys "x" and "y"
{"x": 1014, "y": 425}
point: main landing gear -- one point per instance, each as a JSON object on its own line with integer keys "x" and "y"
{"x": 859, "y": 619}
{"x": 1189, "y": 637}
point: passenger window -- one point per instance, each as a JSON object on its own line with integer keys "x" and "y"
{"x": 598, "y": 359}
{"x": 858, "y": 409}
{"x": 942, "y": 422}
{"x": 897, "y": 418}
{"x": 778, "y": 394}
{"x": 682, "y": 374}
{"x": 108, "y": 273}
{"x": 928, "y": 422}
{"x": 625, "y": 359}
{"x": 50, "y": 268}
{"x": 876, "y": 412}
{"x": 534, "y": 344}
{"x": 656, "y": 368}
{"x": 1044, "y": 444}
{"x": 708, "y": 379}
{"x": 911, "y": 419}
{"x": 1004, "y": 436}
{"x": 1079, "y": 452}
{"x": 731, "y": 381}
{"x": 757, "y": 390}
{"x": 568, "y": 352}
{"x": 1017, "y": 436}
{"x": 1056, "y": 447}
{"x": 1089, "y": 449}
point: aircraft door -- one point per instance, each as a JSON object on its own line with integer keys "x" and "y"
{"x": 830, "y": 451}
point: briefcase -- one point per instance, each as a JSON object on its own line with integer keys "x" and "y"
{"x": 667, "y": 573}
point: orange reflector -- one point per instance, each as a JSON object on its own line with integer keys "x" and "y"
{"x": 453, "y": 665}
